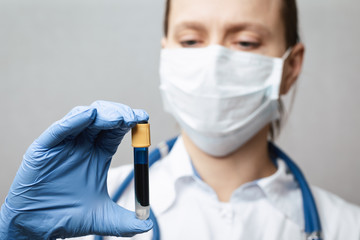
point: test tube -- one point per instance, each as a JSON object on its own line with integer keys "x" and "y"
{"x": 141, "y": 143}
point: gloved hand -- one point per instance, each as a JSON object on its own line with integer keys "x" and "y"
{"x": 60, "y": 189}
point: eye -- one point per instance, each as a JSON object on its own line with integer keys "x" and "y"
{"x": 247, "y": 45}
{"x": 190, "y": 43}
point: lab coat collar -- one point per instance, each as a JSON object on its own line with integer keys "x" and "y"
{"x": 277, "y": 188}
{"x": 173, "y": 167}
{"x": 283, "y": 192}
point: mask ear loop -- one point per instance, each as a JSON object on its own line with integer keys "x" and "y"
{"x": 278, "y": 124}
{"x": 287, "y": 54}
{"x": 293, "y": 91}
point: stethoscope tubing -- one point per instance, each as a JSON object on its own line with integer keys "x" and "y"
{"x": 312, "y": 220}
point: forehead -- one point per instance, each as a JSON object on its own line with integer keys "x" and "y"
{"x": 221, "y": 12}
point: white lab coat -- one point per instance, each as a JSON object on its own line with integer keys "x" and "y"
{"x": 266, "y": 209}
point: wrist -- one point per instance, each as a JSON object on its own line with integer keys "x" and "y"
{"x": 6, "y": 217}
{"x": 12, "y": 225}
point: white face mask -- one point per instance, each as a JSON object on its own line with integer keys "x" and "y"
{"x": 220, "y": 97}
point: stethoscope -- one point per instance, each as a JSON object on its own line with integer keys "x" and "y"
{"x": 312, "y": 220}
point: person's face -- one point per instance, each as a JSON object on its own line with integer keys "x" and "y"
{"x": 245, "y": 25}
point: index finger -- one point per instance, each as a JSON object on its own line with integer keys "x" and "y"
{"x": 72, "y": 124}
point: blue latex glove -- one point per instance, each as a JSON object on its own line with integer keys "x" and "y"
{"x": 60, "y": 189}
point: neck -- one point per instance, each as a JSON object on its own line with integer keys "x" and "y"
{"x": 225, "y": 174}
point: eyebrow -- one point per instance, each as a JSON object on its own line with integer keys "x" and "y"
{"x": 236, "y": 27}
{"x": 189, "y": 25}
{"x": 230, "y": 28}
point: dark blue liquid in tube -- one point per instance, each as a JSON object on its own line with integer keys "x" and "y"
{"x": 141, "y": 178}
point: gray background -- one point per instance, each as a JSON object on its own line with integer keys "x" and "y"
{"x": 55, "y": 55}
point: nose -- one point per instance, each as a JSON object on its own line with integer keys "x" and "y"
{"x": 215, "y": 39}
{"x": 216, "y": 36}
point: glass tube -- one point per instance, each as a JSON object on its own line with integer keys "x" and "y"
{"x": 141, "y": 178}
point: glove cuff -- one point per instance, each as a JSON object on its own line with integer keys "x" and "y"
{"x": 6, "y": 217}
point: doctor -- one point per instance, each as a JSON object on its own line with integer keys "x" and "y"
{"x": 224, "y": 66}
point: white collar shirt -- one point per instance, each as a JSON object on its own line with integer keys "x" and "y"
{"x": 187, "y": 208}
{"x": 266, "y": 209}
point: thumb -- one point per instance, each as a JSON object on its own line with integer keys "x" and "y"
{"x": 114, "y": 220}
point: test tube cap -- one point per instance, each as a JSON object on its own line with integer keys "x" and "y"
{"x": 140, "y": 135}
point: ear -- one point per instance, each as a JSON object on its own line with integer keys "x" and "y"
{"x": 292, "y": 68}
{"x": 163, "y": 42}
